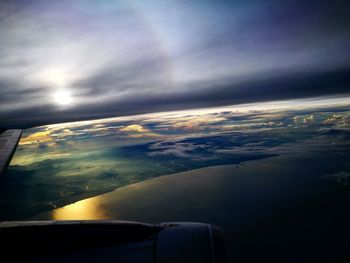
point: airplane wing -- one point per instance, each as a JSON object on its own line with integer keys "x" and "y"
{"x": 8, "y": 143}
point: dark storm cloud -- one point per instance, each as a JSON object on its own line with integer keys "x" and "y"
{"x": 119, "y": 58}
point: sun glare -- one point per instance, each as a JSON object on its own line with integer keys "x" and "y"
{"x": 63, "y": 98}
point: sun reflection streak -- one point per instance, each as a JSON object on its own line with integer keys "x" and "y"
{"x": 88, "y": 209}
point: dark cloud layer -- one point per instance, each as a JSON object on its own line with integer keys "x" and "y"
{"x": 118, "y": 58}
{"x": 296, "y": 86}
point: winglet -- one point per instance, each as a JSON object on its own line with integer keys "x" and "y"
{"x": 8, "y": 143}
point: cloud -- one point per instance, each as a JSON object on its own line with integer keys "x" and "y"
{"x": 36, "y": 138}
{"x": 178, "y": 149}
{"x": 303, "y": 119}
{"x": 341, "y": 120}
{"x": 134, "y": 128}
{"x": 137, "y": 131}
{"x": 340, "y": 178}
{"x": 121, "y": 58}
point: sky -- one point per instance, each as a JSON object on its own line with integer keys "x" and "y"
{"x": 76, "y": 60}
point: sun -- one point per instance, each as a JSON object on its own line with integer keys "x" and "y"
{"x": 62, "y": 98}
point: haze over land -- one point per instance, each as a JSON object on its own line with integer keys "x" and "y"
{"x": 59, "y": 164}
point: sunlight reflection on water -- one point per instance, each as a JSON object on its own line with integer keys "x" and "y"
{"x": 87, "y": 209}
